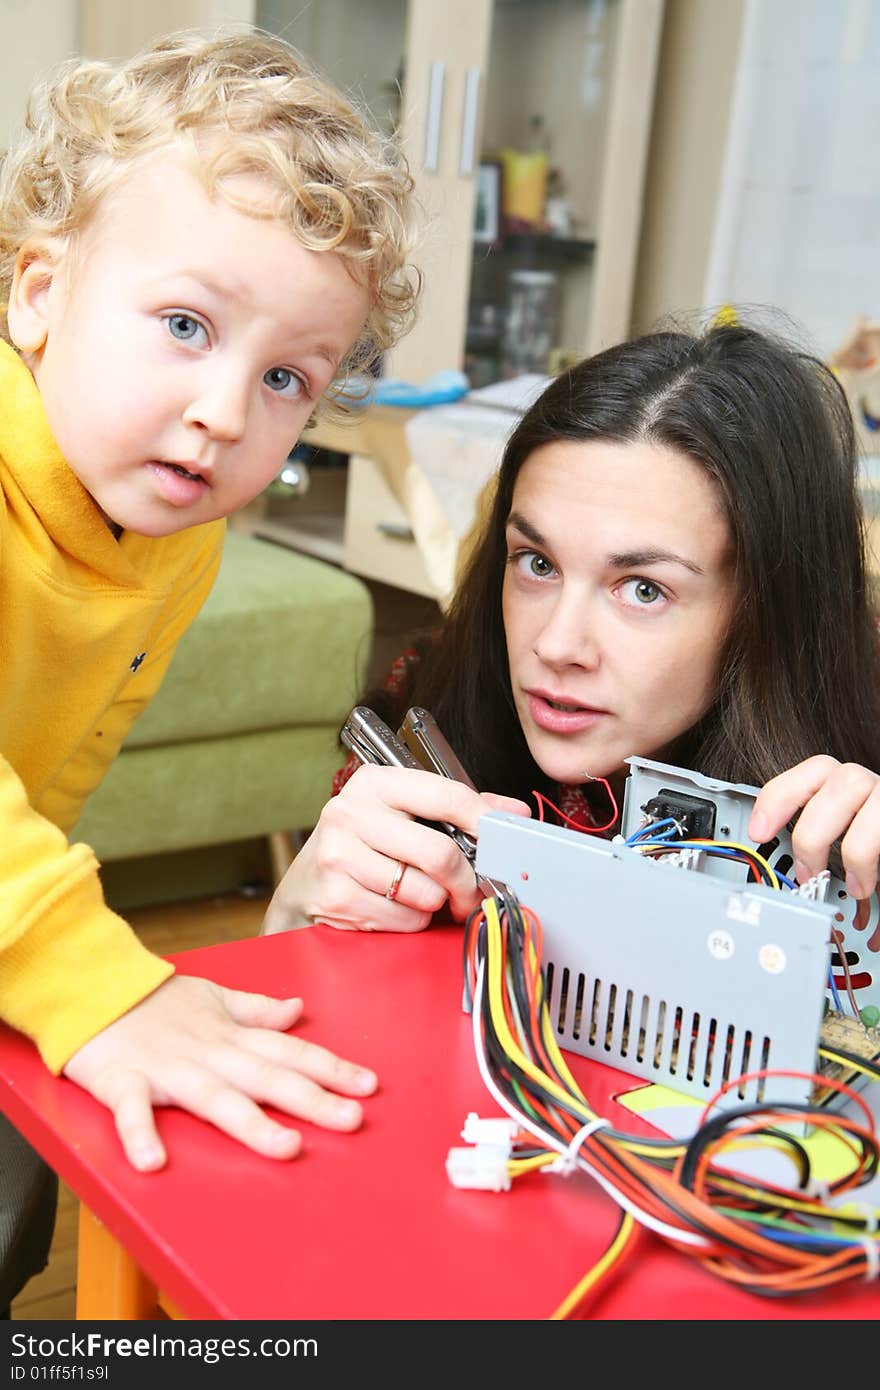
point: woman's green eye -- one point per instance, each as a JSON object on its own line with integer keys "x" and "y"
{"x": 539, "y": 565}
{"x": 646, "y": 592}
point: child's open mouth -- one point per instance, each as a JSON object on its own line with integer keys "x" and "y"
{"x": 184, "y": 472}
{"x": 176, "y": 484}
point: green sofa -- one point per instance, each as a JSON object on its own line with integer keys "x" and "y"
{"x": 239, "y": 747}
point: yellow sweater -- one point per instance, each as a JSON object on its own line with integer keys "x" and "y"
{"x": 88, "y": 626}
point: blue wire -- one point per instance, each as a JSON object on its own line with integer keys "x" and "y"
{"x": 834, "y": 994}
{"x": 696, "y": 844}
{"x": 806, "y": 1237}
{"x": 650, "y": 829}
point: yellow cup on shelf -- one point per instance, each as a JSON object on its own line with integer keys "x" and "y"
{"x": 524, "y": 185}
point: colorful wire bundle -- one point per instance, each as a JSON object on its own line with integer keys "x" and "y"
{"x": 770, "y": 1240}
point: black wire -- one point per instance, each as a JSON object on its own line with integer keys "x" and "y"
{"x": 663, "y": 1150}
{"x": 475, "y": 924}
{"x": 713, "y": 1128}
{"x": 608, "y": 1154}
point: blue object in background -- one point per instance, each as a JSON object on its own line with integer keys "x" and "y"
{"x": 440, "y": 389}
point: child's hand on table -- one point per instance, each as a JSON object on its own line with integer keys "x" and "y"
{"x": 219, "y": 1053}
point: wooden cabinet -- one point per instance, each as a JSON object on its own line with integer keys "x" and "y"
{"x": 478, "y": 77}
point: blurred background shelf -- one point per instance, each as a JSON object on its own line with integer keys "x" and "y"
{"x": 468, "y": 85}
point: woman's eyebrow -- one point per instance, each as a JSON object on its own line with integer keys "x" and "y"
{"x": 531, "y": 533}
{"x": 632, "y": 559}
{"x": 622, "y": 560}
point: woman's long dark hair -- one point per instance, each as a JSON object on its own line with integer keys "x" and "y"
{"x": 799, "y": 673}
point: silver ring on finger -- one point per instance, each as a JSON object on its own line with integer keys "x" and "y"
{"x": 394, "y": 886}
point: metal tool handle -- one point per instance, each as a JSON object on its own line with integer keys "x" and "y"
{"x": 371, "y": 740}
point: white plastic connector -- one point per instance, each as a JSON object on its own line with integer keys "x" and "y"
{"x": 496, "y": 1130}
{"x": 682, "y": 858}
{"x": 481, "y": 1166}
{"x": 815, "y": 889}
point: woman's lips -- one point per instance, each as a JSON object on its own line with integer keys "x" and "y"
{"x": 548, "y": 716}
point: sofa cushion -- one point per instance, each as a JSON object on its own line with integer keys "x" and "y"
{"x": 175, "y": 796}
{"x": 282, "y": 640}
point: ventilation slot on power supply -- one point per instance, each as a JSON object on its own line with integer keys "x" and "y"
{"x": 578, "y": 1007}
{"x": 681, "y": 1044}
{"x": 563, "y": 999}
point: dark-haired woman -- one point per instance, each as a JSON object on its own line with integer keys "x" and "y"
{"x": 673, "y": 568}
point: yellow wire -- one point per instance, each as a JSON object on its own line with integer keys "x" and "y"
{"x": 574, "y": 1097}
{"x": 494, "y": 983}
{"x": 518, "y": 1166}
{"x": 847, "y": 1062}
{"x": 600, "y": 1268}
{"x": 719, "y": 844}
{"x": 496, "y": 969}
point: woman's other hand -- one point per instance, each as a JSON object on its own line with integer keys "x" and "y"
{"x": 836, "y": 801}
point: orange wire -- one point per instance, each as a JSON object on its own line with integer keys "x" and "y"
{"x": 768, "y": 1072}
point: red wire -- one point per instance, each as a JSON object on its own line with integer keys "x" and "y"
{"x": 576, "y": 825}
{"x": 766, "y": 1072}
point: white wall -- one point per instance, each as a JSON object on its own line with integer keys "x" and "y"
{"x": 34, "y": 36}
{"x": 798, "y": 225}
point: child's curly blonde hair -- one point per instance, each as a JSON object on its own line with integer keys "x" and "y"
{"x": 250, "y": 104}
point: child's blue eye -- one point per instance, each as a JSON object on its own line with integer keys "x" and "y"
{"x": 184, "y": 327}
{"x": 284, "y": 382}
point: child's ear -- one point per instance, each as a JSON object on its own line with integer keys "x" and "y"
{"x": 36, "y": 266}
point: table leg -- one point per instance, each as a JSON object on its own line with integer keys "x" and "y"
{"x": 109, "y": 1285}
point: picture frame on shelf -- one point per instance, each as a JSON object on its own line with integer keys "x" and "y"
{"x": 487, "y": 208}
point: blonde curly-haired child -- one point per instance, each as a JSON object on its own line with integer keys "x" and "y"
{"x": 197, "y": 246}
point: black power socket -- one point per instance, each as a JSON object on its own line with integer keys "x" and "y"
{"x": 695, "y": 815}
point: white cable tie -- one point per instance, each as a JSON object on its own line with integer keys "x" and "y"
{"x": 872, "y": 1259}
{"x": 870, "y": 1214}
{"x": 566, "y": 1163}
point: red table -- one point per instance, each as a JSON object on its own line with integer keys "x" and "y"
{"x": 362, "y": 1226}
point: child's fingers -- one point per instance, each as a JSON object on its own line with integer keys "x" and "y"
{"x": 260, "y": 1010}
{"x": 128, "y": 1095}
{"x": 217, "y": 1053}
{"x": 241, "y": 1074}
{"x": 287, "y": 1054}
{"x": 228, "y": 1108}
